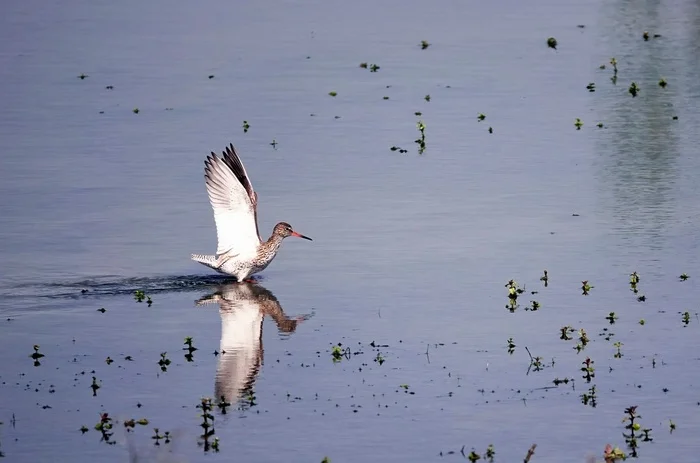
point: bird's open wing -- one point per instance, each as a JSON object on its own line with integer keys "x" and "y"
{"x": 234, "y": 202}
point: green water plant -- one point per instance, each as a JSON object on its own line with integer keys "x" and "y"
{"x": 337, "y": 353}
{"x": 618, "y": 345}
{"x": 611, "y": 318}
{"x": 139, "y": 295}
{"x": 399, "y": 149}
{"x": 104, "y": 426}
{"x": 645, "y": 36}
{"x": 363, "y": 65}
{"x": 590, "y": 397}
{"x": 189, "y": 348}
{"x": 588, "y": 369}
{"x": 634, "y": 89}
{"x": 671, "y": 426}
{"x": 599, "y": 125}
{"x": 94, "y": 386}
{"x": 545, "y": 279}
{"x": 565, "y": 331}
{"x": 591, "y": 87}
{"x": 164, "y": 361}
{"x": 333, "y": 94}
{"x": 480, "y": 117}
{"x": 424, "y": 44}
{"x": 511, "y": 346}
{"x": 578, "y": 123}
{"x": 379, "y": 358}
{"x": 552, "y": 43}
{"x": 421, "y": 141}
{"x": 374, "y": 68}
{"x": 684, "y": 276}
{"x": 426, "y": 97}
{"x": 586, "y": 287}
{"x": 207, "y": 425}
{"x": 274, "y": 144}
{"x": 36, "y": 355}
{"x": 83, "y": 76}
{"x": 582, "y": 340}
{"x": 686, "y": 318}
{"x": 662, "y": 83}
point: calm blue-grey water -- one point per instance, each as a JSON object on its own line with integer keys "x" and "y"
{"x": 410, "y": 251}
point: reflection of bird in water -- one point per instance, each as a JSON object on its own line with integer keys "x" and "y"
{"x": 243, "y": 307}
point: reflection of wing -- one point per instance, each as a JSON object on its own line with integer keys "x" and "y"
{"x": 242, "y": 307}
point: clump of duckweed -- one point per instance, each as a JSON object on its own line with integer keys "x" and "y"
{"x": 379, "y": 358}
{"x": 164, "y": 361}
{"x": 139, "y": 295}
{"x": 612, "y": 455}
{"x": 246, "y": 126}
{"x": 611, "y": 318}
{"x": 207, "y": 425}
{"x": 490, "y": 129}
{"x": 684, "y": 276}
{"x": 480, "y": 117}
{"x": 36, "y": 355}
{"x": 552, "y": 43}
{"x": 333, "y": 94}
{"x": 513, "y": 292}
{"x": 424, "y": 44}
{"x": 374, "y": 68}
{"x": 511, "y": 346}
{"x": 157, "y": 436}
{"x": 189, "y": 356}
{"x": 385, "y": 98}
{"x": 135, "y": 110}
{"x": 662, "y": 83}
{"x": 109, "y": 87}
{"x": 634, "y": 89}
{"x": 578, "y": 123}
{"x": 426, "y": 97}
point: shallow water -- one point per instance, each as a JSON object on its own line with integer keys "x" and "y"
{"x": 410, "y": 251}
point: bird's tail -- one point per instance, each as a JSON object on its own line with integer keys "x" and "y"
{"x": 209, "y": 261}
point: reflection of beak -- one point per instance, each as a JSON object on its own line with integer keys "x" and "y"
{"x": 299, "y": 235}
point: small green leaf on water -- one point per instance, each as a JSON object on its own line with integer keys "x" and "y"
{"x": 246, "y": 126}
{"x": 374, "y": 68}
{"x": 645, "y": 36}
{"x": 480, "y": 117}
{"x": 552, "y": 43}
{"x": 333, "y": 93}
{"x": 662, "y": 83}
{"x": 427, "y": 97}
{"x": 142, "y": 422}
{"x": 578, "y": 123}
{"x": 424, "y": 44}
{"x": 642, "y": 322}
{"x": 135, "y": 110}
{"x": 684, "y": 276}
{"x": 363, "y": 65}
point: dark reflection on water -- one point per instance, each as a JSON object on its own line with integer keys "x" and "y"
{"x": 243, "y": 308}
{"x": 639, "y": 150}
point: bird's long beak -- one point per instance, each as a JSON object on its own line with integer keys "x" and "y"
{"x": 299, "y": 235}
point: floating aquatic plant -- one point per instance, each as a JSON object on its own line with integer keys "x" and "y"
{"x": 83, "y": 76}
{"x": 104, "y": 426}
{"x": 374, "y": 68}
{"x": 511, "y": 346}
{"x": 645, "y": 36}
{"x": 207, "y": 425}
{"x": 94, "y": 386}
{"x": 211, "y": 76}
{"x": 135, "y": 110}
{"x": 599, "y": 125}
{"x": 586, "y": 287}
{"x": 139, "y": 295}
{"x": 246, "y": 126}
{"x": 591, "y": 87}
{"x": 590, "y": 397}
{"x": 421, "y": 141}
{"x": 618, "y": 345}
{"x": 480, "y": 117}
{"x": 684, "y": 276}
{"x": 333, "y": 94}
{"x": 164, "y": 361}
{"x": 36, "y": 355}
{"x": 363, "y": 65}
{"x": 189, "y": 356}
{"x": 424, "y": 44}
{"x": 578, "y": 123}
{"x": 552, "y": 43}
{"x": 634, "y": 89}
{"x": 399, "y": 149}
{"x": 662, "y": 83}
{"x": 274, "y": 143}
